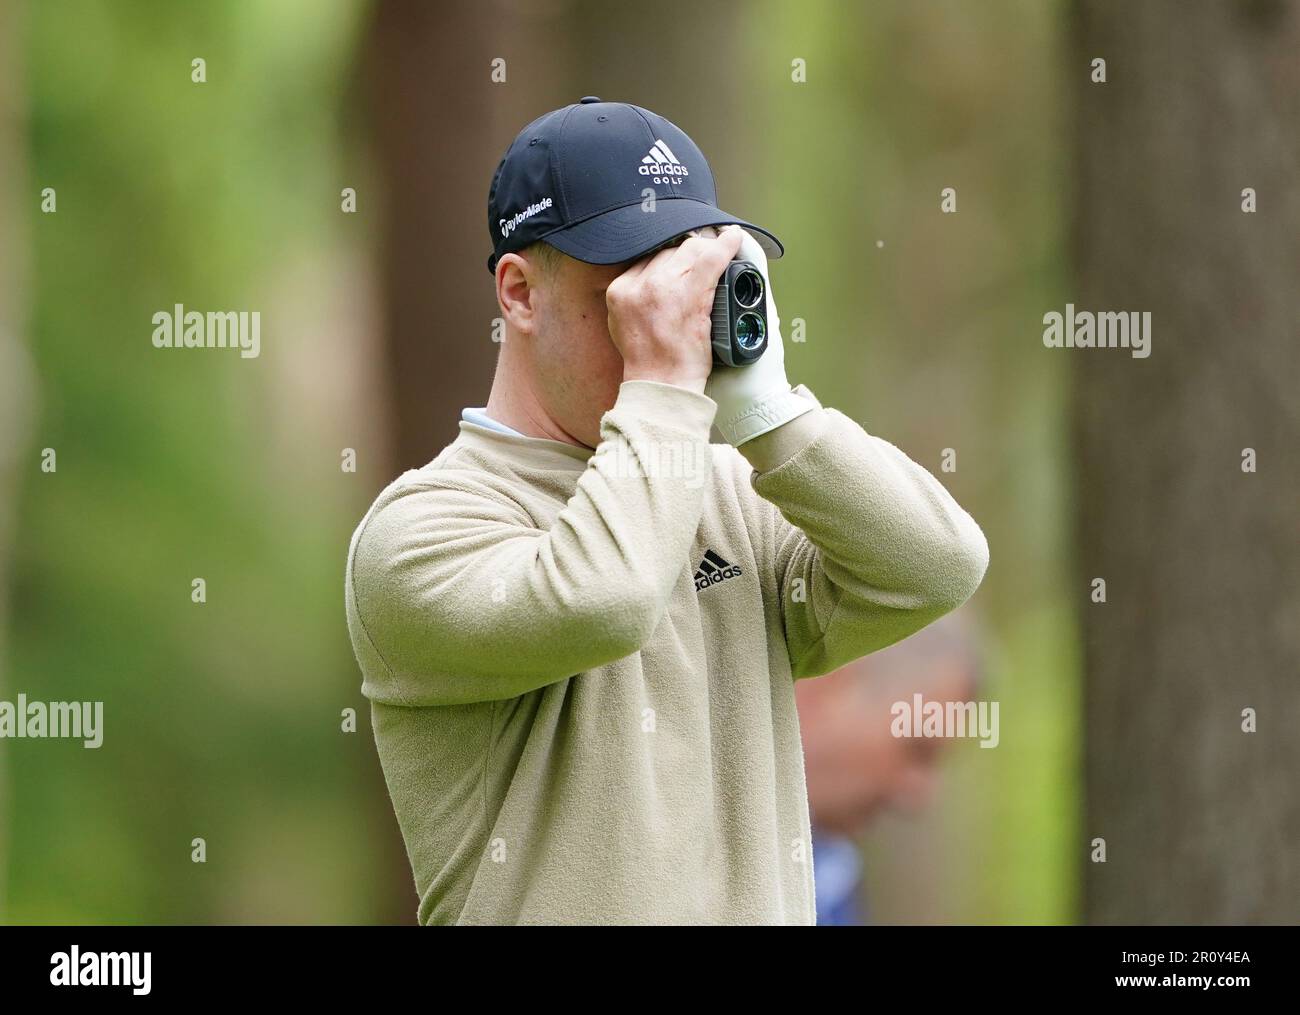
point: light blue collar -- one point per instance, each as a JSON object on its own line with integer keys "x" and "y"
{"x": 479, "y": 417}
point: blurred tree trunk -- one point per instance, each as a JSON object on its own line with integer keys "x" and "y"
{"x": 429, "y": 67}
{"x": 690, "y": 77}
{"x": 1201, "y": 820}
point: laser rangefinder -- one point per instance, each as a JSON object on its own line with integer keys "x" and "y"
{"x": 739, "y": 315}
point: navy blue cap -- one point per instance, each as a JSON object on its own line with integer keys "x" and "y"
{"x": 576, "y": 178}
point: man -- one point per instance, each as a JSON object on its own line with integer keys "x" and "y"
{"x": 579, "y": 626}
{"x": 854, "y": 764}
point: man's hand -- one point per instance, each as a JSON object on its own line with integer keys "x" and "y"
{"x": 660, "y": 310}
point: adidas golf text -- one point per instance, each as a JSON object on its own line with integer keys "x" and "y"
{"x": 662, "y": 165}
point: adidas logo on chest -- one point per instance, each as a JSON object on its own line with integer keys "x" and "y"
{"x": 713, "y": 570}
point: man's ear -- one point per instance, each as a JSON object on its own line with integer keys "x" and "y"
{"x": 517, "y": 292}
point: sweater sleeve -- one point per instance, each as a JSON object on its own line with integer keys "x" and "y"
{"x": 869, "y": 547}
{"x": 455, "y": 596}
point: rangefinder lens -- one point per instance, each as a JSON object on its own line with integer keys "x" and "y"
{"x": 749, "y": 331}
{"x": 748, "y": 288}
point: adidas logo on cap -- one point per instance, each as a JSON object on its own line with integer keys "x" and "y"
{"x": 662, "y": 165}
{"x": 712, "y": 570}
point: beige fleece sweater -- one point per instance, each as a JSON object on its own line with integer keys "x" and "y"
{"x": 580, "y": 664}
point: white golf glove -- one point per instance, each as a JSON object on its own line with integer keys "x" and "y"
{"x": 757, "y": 398}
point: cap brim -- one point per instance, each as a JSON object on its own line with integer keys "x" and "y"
{"x": 625, "y": 234}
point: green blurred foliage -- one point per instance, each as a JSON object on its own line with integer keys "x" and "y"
{"x": 222, "y": 720}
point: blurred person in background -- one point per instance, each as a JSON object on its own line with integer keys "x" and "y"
{"x": 856, "y": 768}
